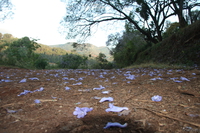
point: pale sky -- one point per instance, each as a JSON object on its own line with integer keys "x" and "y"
{"x": 40, "y": 19}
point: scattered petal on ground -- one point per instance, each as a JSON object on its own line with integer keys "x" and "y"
{"x": 79, "y": 83}
{"x": 67, "y": 88}
{"x": 34, "y": 78}
{"x": 106, "y": 92}
{"x": 156, "y": 98}
{"x": 81, "y": 112}
{"x": 110, "y": 99}
{"x": 115, "y": 124}
{"x": 23, "y": 81}
{"x": 183, "y": 78}
{"x": 41, "y": 89}
{"x": 100, "y": 88}
{"x": 113, "y": 108}
{"x": 25, "y": 92}
{"x": 37, "y": 101}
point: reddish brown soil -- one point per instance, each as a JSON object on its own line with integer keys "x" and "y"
{"x": 171, "y": 115}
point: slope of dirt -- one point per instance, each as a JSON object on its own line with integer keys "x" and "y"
{"x": 178, "y": 111}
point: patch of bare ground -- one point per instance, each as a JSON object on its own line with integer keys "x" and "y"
{"x": 179, "y": 110}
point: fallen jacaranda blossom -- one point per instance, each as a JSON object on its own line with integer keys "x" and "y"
{"x": 178, "y": 81}
{"x": 101, "y": 76}
{"x": 37, "y": 101}
{"x": 156, "y": 79}
{"x": 131, "y": 77}
{"x": 67, "y": 88}
{"x": 41, "y": 89}
{"x": 115, "y": 124}
{"x": 100, "y": 88}
{"x": 53, "y": 97}
{"x": 81, "y": 112}
{"x": 106, "y": 92}
{"x": 13, "y": 111}
{"x": 115, "y": 108}
{"x": 110, "y": 99}
{"x": 34, "y": 78}
{"x": 156, "y": 98}
{"x": 95, "y": 97}
{"x": 7, "y": 80}
{"x": 25, "y": 92}
{"x": 79, "y": 83}
{"x": 23, "y": 81}
{"x": 183, "y": 78}
{"x": 65, "y": 78}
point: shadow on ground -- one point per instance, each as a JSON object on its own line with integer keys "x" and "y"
{"x": 96, "y": 124}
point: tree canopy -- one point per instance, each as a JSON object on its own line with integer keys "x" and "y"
{"x": 147, "y": 16}
{"x": 5, "y": 9}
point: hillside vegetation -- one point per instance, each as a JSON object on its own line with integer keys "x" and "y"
{"x": 88, "y": 49}
{"x": 182, "y": 47}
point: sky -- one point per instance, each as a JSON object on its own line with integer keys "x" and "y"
{"x": 40, "y": 19}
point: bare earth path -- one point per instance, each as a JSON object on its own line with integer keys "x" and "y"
{"x": 177, "y": 112}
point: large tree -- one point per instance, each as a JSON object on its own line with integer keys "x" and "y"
{"x": 5, "y": 9}
{"x": 179, "y": 6}
{"x": 147, "y": 16}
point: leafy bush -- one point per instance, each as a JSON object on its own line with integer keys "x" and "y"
{"x": 21, "y": 53}
{"x": 72, "y": 61}
{"x": 41, "y": 63}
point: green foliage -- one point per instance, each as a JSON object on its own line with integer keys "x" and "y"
{"x": 21, "y": 53}
{"x": 72, "y": 61}
{"x": 41, "y": 63}
{"x": 53, "y": 55}
{"x": 171, "y": 28}
{"x": 180, "y": 48}
{"x": 101, "y": 58}
{"x": 127, "y": 47}
{"x": 102, "y": 62}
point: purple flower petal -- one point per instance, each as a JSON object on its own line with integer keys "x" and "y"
{"x": 156, "y": 98}
{"x": 81, "y": 112}
{"x": 101, "y": 76}
{"x": 23, "y": 81}
{"x": 106, "y": 92}
{"x": 101, "y": 87}
{"x": 7, "y": 80}
{"x": 37, "y": 101}
{"x": 11, "y": 111}
{"x": 110, "y": 99}
{"x": 79, "y": 83}
{"x": 183, "y": 78}
{"x": 115, "y": 108}
{"x": 25, "y": 92}
{"x": 67, "y": 88}
{"x": 65, "y": 78}
{"x": 177, "y": 81}
{"x": 34, "y": 78}
{"x": 41, "y": 89}
{"x": 131, "y": 77}
{"x": 115, "y": 124}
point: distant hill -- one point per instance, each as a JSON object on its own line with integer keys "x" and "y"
{"x": 88, "y": 49}
{"x": 44, "y": 49}
{"x": 54, "y": 55}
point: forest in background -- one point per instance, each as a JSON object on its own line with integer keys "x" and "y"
{"x": 180, "y": 47}
{"x": 26, "y": 53}
{"x": 148, "y": 36}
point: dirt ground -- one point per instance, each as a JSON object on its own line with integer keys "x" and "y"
{"x": 177, "y": 112}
